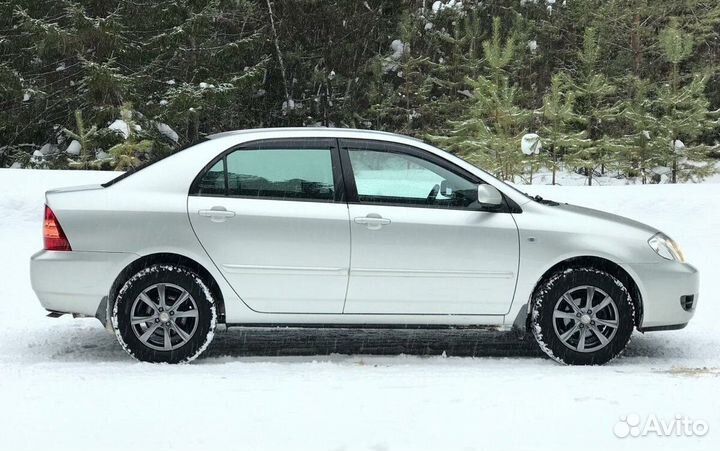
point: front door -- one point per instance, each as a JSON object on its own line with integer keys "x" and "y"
{"x": 273, "y": 219}
{"x": 420, "y": 242}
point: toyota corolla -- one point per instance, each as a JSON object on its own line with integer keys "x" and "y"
{"x": 338, "y": 227}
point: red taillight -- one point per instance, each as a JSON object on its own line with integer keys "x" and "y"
{"x": 53, "y": 235}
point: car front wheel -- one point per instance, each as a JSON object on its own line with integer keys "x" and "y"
{"x": 164, "y": 313}
{"x": 582, "y": 316}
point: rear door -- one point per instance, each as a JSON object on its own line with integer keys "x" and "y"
{"x": 272, "y": 216}
{"x": 420, "y": 242}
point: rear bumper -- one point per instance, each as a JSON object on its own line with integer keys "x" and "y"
{"x": 75, "y": 282}
{"x": 663, "y": 287}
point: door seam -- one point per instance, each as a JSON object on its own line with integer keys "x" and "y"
{"x": 346, "y": 197}
{"x": 347, "y": 283}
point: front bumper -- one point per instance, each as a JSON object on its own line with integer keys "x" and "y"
{"x": 664, "y": 288}
{"x": 75, "y": 282}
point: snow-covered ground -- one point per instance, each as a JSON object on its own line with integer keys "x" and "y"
{"x": 570, "y": 178}
{"x": 66, "y": 384}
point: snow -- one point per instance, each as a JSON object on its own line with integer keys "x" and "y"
{"x": 288, "y": 105}
{"x": 398, "y": 48}
{"x": 569, "y": 178}
{"x": 167, "y": 131}
{"x": 450, "y": 4}
{"x": 677, "y": 146}
{"x": 67, "y": 384}
{"x": 73, "y": 148}
{"x": 121, "y": 127}
{"x": 530, "y": 144}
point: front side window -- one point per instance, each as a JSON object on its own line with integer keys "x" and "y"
{"x": 272, "y": 173}
{"x": 396, "y": 178}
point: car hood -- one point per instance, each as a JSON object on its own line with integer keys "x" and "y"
{"x": 603, "y": 218}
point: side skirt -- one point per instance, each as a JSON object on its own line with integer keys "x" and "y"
{"x": 366, "y": 326}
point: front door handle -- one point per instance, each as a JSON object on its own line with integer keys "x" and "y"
{"x": 373, "y": 221}
{"x": 217, "y": 214}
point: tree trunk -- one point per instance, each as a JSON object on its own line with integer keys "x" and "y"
{"x": 531, "y": 172}
{"x": 635, "y": 45}
{"x": 281, "y": 63}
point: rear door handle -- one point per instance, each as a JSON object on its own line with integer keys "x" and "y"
{"x": 373, "y": 221}
{"x": 217, "y": 214}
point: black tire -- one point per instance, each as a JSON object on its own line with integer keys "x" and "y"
{"x": 548, "y": 330}
{"x": 199, "y": 307}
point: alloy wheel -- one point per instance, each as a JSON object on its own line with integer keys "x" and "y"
{"x": 585, "y": 319}
{"x": 164, "y": 316}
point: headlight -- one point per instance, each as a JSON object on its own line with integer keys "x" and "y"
{"x": 666, "y": 248}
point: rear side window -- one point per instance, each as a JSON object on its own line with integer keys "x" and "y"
{"x": 281, "y": 174}
{"x": 273, "y": 172}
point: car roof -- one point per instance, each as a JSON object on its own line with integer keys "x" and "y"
{"x": 322, "y": 131}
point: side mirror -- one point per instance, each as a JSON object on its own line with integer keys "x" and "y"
{"x": 489, "y": 196}
{"x": 445, "y": 189}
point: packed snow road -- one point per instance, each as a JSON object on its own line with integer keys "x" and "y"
{"x": 66, "y": 384}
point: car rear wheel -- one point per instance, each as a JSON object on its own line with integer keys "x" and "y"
{"x": 582, "y": 316}
{"x": 164, "y": 313}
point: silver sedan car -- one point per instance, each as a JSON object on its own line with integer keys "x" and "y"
{"x": 338, "y": 227}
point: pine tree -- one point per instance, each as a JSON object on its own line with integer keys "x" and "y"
{"x": 593, "y": 92}
{"x": 86, "y": 139}
{"x": 490, "y": 133}
{"x": 202, "y": 66}
{"x": 423, "y": 81}
{"x": 683, "y": 113}
{"x": 402, "y": 86}
{"x": 642, "y": 151}
{"x": 135, "y": 146}
{"x": 559, "y": 123}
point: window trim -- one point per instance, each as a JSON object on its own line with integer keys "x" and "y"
{"x": 344, "y": 145}
{"x": 278, "y": 144}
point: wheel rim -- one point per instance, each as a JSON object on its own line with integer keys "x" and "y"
{"x": 164, "y": 317}
{"x": 585, "y": 319}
